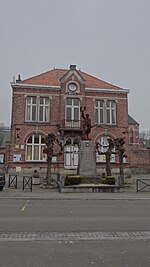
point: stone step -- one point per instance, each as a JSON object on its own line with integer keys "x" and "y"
{"x": 90, "y": 188}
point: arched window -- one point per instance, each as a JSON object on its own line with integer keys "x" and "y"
{"x": 103, "y": 141}
{"x": 131, "y": 135}
{"x": 34, "y": 148}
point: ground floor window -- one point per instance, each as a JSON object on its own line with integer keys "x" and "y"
{"x": 34, "y": 148}
{"x": 103, "y": 142}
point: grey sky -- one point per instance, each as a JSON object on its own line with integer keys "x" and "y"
{"x": 109, "y": 39}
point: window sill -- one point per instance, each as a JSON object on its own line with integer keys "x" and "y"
{"x": 37, "y": 122}
{"x": 105, "y": 125}
{"x": 36, "y": 161}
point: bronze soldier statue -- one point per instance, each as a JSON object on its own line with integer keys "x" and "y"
{"x": 86, "y": 124}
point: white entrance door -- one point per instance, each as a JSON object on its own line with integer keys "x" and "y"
{"x": 71, "y": 156}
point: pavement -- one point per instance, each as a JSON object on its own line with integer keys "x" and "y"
{"x": 129, "y": 192}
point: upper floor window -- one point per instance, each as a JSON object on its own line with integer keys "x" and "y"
{"x": 31, "y": 103}
{"x": 105, "y": 112}
{"x": 43, "y": 109}
{"x": 110, "y": 112}
{"x": 99, "y": 111}
{"x": 37, "y": 109}
{"x": 72, "y": 112}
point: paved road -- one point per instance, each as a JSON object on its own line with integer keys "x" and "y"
{"x": 56, "y": 232}
{"x": 74, "y": 215}
{"x": 45, "y": 228}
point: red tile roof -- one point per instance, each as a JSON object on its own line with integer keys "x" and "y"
{"x": 53, "y": 77}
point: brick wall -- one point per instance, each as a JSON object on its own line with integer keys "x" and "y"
{"x": 138, "y": 158}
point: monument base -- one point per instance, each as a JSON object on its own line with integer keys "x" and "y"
{"x": 87, "y": 162}
{"x": 92, "y": 179}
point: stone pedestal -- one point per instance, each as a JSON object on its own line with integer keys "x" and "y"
{"x": 87, "y": 161}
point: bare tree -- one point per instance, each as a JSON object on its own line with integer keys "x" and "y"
{"x": 120, "y": 150}
{"x": 50, "y": 142}
{"x": 145, "y": 138}
{"x": 107, "y": 153}
{"x": 118, "y": 144}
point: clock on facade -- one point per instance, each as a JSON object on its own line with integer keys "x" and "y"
{"x": 72, "y": 87}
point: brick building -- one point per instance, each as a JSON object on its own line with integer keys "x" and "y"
{"x": 51, "y": 102}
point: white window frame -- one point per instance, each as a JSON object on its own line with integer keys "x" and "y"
{"x": 72, "y": 122}
{"x": 37, "y": 106}
{"x": 105, "y": 108}
{"x": 104, "y": 146}
{"x": 32, "y": 145}
{"x": 99, "y": 109}
{"x": 30, "y": 107}
{"x": 111, "y": 109}
{"x": 45, "y": 106}
{"x": 71, "y": 155}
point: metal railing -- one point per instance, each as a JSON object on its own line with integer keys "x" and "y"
{"x": 71, "y": 124}
{"x": 27, "y": 183}
{"x": 12, "y": 181}
{"x": 141, "y": 184}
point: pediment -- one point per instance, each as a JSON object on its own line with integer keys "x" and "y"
{"x": 72, "y": 73}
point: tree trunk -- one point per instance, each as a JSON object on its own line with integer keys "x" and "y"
{"x": 121, "y": 182}
{"x": 48, "y": 175}
{"x": 108, "y": 165}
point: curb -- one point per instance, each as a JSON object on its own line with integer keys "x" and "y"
{"x": 75, "y": 198}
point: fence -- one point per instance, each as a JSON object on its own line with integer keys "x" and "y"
{"x": 141, "y": 184}
{"x": 27, "y": 183}
{"x": 12, "y": 182}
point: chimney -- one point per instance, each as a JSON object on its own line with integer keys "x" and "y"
{"x": 19, "y": 78}
{"x": 72, "y": 67}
